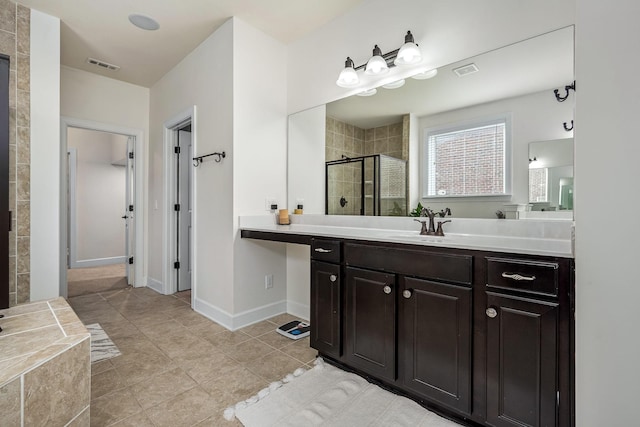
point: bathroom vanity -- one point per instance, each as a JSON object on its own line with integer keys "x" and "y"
{"x": 476, "y": 327}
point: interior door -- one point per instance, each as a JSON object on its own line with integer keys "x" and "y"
{"x": 129, "y": 216}
{"x": 184, "y": 210}
{"x": 5, "y": 216}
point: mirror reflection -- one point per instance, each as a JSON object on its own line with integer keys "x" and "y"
{"x": 551, "y": 175}
{"x": 517, "y": 80}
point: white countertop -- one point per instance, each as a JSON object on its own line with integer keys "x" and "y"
{"x": 535, "y": 237}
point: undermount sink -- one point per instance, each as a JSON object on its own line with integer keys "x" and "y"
{"x": 419, "y": 238}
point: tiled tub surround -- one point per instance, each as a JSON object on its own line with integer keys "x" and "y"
{"x": 45, "y": 369}
{"x": 535, "y": 237}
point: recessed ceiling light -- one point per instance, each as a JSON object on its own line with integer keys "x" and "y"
{"x": 144, "y": 22}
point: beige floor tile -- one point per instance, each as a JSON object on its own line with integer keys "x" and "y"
{"x": 191, "y": 318}
{"x": 105, "y": 383}
{"x": 301, "y": 351}
{"x": 142, "y": 369}
{"x": 274, "y": 366}
{"x": 275, "y": 340}
{"x": 207, "y": 367}
{"x": 102, "y": 366}
{"x": 248, "y": 350}
{"x": 227, "y": 339}
{"x": 207, "y": 330}
{"x": 159, "y": 330}
{"x": 138, "y": 420}
{"x": 113, "y": 407}
{"x": 186, "y": 409}
{"x": 174, "y": 345}
{"x": 283, "y": 318}
{"x": 219, "y": 421}
{"x": 259, "y": 328}
{"x": 239, "y": 383}
{"x": 161, "y": 387}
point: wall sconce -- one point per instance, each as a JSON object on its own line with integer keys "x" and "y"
{"x": 379, "y": 63}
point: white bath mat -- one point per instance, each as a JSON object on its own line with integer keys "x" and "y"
{"x": 328, "y": 396}
{"x": 102, "y": 348}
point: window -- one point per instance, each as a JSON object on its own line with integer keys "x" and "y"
{"x": 538, "y": 184}
{"x": 467, "y": 161}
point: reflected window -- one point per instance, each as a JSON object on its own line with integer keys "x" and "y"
{"x": 538, "y": 184}
{"x": 467, "y": 161}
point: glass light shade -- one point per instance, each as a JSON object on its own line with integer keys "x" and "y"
{"x": 369, "y": 92}
{"x": 409, "y": 53}
{"x": 348, "y": 76}
{"x": 425, "y": 74}
{"x": 394, "y": 85}
{"x": 376, "y": 65}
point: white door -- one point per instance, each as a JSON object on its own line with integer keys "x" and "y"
{"x": 129, "y": 215}
{"x": 183, "y": 209}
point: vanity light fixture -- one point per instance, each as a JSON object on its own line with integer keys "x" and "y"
{"x": 379, "y": 63}
{"x": 429, "y": 74}
{"x": 394, "y": 85}
{"x": 369, "y": 92}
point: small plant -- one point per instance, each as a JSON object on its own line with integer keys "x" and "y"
{"x": 417, "y": 212}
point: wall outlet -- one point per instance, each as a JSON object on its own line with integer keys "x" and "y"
{"x": 268, "y": 202}
{"x": 268, "y": 281}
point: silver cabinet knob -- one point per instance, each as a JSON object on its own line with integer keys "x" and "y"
{"x": 406, "y": 293}
{"x": 333, "y": 277}
{"x": 491, "y": 312}
{"x": 387, "y": 289}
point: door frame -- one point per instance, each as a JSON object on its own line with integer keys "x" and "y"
{"x": 139, "y": 266}
{"x": 170, "y": 135}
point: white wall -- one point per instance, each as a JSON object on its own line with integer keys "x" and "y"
{"x": 606, "y": 180}
{"x": 446, "y": 33}
{"x": 100, "y": 196}
{"x": 46, "y": 160}
{"x": 534, "y": 117}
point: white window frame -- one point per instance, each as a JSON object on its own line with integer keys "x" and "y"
{"x": 470, "y": 124}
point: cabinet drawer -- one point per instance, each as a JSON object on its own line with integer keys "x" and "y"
{"x": 326, "y": 250}
{"x": 528, "y": 276}
{"x": 429, "y": 265}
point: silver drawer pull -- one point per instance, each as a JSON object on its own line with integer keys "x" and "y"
{"x": 491, "y": 312}
{"x": 516, "y": 276}
{"x": 387, "y": 289}
{"x": 406, "y": 293}
{"x": 333, "y": 278}
{"x": 323, "y": 251}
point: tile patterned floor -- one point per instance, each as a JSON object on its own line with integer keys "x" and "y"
{"x": 177, "y": 367}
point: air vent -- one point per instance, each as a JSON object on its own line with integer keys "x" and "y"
{"x": 465, "y": 70}
{"x": 102, "y": 64}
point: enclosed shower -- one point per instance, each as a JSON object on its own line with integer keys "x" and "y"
{"x": 367, "y": 185}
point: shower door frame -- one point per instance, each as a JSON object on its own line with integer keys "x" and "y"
{"x": 376, "y": 179}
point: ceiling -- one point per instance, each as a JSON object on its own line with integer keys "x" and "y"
{"x": 539, "y": 63}
{"x": 101, "y": 29}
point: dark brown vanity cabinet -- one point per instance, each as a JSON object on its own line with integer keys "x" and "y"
{"x": 479, "y": 336}
{"x": 434, "y": 345}
{"x": 370, "y": 322}
{"x": 326, "y": 297}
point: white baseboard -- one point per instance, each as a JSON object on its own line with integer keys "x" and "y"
{"x": 299, "y": 310}
{"x": 156, "y": 285}
{"x": 240, "y": 320}
{"x": 98, "y": 262}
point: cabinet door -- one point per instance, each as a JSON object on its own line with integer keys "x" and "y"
{"x": 325, "y": 308}
{"x": 370, "y": 313}
{"x": 521, "y": 361}
{"x": 435, "y": 341}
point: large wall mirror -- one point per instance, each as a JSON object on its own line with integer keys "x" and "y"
{"x": 370, "y": 157}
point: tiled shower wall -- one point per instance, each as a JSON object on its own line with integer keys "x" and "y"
{"x": 15, "y": 42}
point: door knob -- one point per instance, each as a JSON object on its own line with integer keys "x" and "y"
{"x": 406, "y": 293}
{"x": 491, "y": 312}
{"x": 124, "y": 217}
{"x": 333, "y": 278}
{"x": 387, "y": 289}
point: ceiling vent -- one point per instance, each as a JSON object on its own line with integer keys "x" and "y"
{"x": 102, "y": 64}
{"x": 465, "y": 70}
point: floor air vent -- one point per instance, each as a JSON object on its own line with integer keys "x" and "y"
{"x": 103, "y": 64}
